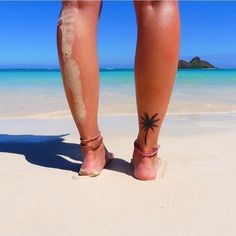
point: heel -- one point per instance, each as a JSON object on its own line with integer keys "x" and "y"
{"x": 93, "y": 144}
{"x": 149, "y": 166}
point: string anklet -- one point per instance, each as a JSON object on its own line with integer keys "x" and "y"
{"x": 91, "y": 143}
{"x": 138, "y": 149}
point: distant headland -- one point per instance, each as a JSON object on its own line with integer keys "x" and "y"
{"x": 195, "y": 63}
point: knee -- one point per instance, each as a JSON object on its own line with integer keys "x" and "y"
{"x": 82, "y": 6}
{"x": 155, "y": 10}
{"x": 78, "y": 12}
{"x": 156, "y": 21}
{"x": 73, "y": 12}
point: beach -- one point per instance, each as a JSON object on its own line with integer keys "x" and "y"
{"x": 42, "y": 194}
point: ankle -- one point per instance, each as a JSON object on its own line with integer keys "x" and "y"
{"x": 91, "y": 155}
{"x": 89, "y": 133}
{"x": 141, "y": 152}
{"x": 92, "y": 143}
{"x": 149, "y": 147}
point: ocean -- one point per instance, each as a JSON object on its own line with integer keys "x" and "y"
{"x": 40, "y": 93}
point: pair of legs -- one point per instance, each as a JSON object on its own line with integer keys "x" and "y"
{"x": 155, "y": 70}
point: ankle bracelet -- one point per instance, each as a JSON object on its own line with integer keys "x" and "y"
{"x": 138, "y": 149}
{"x": 91, "y": 143}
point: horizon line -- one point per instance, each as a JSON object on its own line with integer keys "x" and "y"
{"x": 118, "y": 68}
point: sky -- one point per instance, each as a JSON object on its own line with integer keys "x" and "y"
{"x": 28, "y": 33}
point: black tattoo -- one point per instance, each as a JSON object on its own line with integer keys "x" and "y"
{"x": 148, "y": 123}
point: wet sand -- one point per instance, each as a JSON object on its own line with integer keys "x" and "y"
{"x": 41, "y": 194}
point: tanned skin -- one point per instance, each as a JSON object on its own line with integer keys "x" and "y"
{"x": 155, "y": 70}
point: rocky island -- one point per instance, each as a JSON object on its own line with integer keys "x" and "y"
{"x": 195, "y": 63}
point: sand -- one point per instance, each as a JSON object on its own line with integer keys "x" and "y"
{"x": 41, "y": 194}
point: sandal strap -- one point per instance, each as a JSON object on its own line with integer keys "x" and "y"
{"x": 91, "y": 143}
{"x": 145, "y": 154}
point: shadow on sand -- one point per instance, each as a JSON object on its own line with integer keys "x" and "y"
{"x": 52, "y": 152}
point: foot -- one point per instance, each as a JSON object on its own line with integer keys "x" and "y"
{"x": 147, "y": 167}
{"x": 144, "y": 167}
{"x": 94, "y": 160}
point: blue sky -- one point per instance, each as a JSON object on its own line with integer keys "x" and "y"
{"x": 28, "y": 33}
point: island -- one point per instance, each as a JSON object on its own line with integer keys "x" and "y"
{"x": 195, "y": 63}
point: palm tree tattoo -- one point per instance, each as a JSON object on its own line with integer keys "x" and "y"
{"x": 148, "y": 123}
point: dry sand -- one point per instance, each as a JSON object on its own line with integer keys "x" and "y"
{"x": 40, "y": 196}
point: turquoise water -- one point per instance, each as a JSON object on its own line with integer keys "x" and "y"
{"x": 38, "y": 92}
{"x": 52, "y": 78}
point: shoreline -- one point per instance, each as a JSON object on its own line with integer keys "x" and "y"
{"x": 54, "y": 115}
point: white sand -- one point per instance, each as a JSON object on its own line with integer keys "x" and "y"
{"x": 197, "y": 196}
